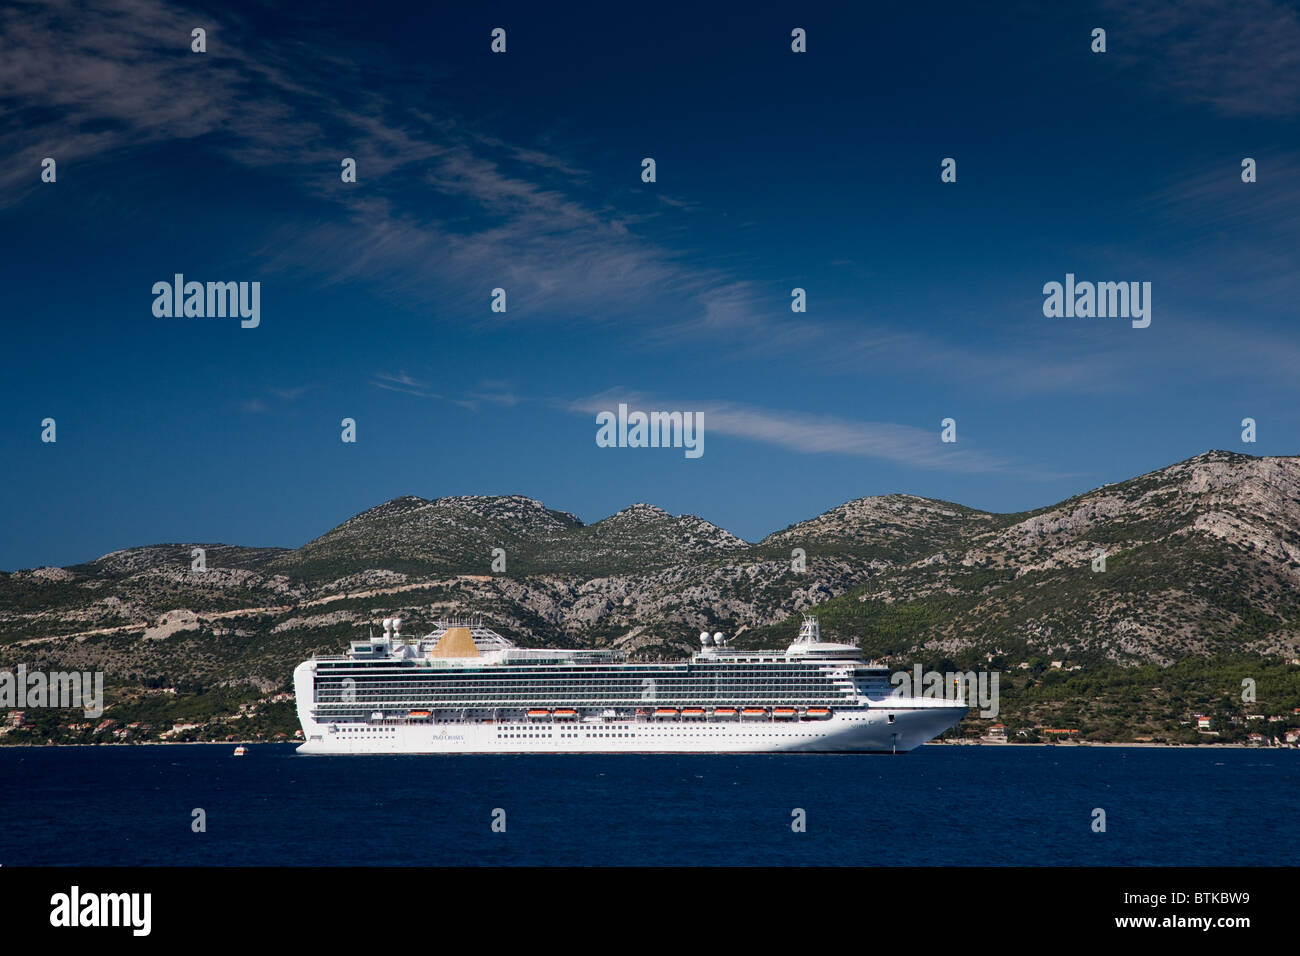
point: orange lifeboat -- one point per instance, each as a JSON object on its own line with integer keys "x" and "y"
{"x": 754, "y": 712}
{"x": 692, "y": 711}
{"x": 418, "y": 713}
{"x": 818, "y": 713}
{"x": 724, "y": 713}
{"x": 785, "y": 713}
{"x": 538, "y": 713}
{"x": 665, "y": 711}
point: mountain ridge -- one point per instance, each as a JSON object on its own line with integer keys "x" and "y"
{"x": 1196, "y": 561}
{"x": 1227, "y": 524}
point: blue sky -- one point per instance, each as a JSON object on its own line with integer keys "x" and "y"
{"x": 522, "y": 171}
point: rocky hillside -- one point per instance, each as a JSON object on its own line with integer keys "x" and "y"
{"x": 1201, "y": 558}
{"x": 888, "y": 529}
{"x": 415, "y": 536}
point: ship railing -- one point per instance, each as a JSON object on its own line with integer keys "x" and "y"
{"x": 564, "y": 654}
{"x": 328, "y": 709}
{"x": 487, "y": 703}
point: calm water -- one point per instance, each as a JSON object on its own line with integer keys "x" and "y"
{"x": 938, "y": 805}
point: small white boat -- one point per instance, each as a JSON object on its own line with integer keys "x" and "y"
{"x": 241, "y": 750}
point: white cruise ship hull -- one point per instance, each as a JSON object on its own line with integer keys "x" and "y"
{"x": 867, "y": 731}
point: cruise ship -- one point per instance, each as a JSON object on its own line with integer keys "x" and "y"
{"x": 466, "y": 689}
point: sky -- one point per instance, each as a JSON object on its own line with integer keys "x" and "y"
{"x": 522, "y": 170}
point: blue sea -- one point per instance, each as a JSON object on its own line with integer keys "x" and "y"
{"x": 940, "y": 805}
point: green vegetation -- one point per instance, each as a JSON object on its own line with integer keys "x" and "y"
{"x": 1124, "y": 704}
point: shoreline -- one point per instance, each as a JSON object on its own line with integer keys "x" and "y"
{"x": 163, "y": 743}
{"x": 1144, "y": 745}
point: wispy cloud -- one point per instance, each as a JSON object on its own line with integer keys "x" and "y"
{"x": 488, "y": 392}
{"x": 283, "y": 397}
{"x": 405, "y": 384}
{"x": 106, "y": 81}
{"x": 291, "y": 394}
{"x": 401, "y": 378}
{"x": 85, "y": 84}
{"x": 254, "y": 406}
{"x": 1241, "y": 57}
{"x": 808, "y": 434}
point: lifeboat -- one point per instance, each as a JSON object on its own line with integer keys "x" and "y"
{"x": 752, "y": 712}
{"x": 785, "y": 713}
{"x": 692, "y": 711}
{"x": 817, "y": 713}
{"x": 724, "y": 713}
{"x": 566, "y": 713}
{"x": 418, "y": 713}
{"x": 538, "y": 713}
{"x": 665, "y": 711}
